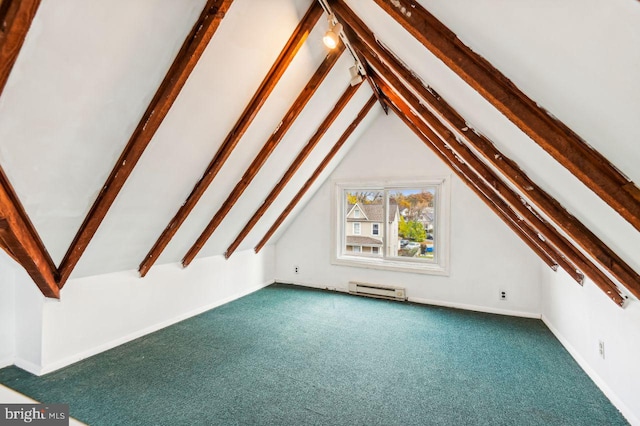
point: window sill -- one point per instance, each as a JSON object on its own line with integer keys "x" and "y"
{"x": 391, "y": 265}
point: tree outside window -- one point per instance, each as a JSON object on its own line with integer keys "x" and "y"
{"x": 393, "y": 226}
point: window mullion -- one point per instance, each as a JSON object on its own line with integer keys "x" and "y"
{"x": 385, "y": 226}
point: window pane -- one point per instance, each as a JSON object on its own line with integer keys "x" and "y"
{"x": 414, "y": 227}
{"x": 398, "y": 225}
{"x": 364, "y": 212}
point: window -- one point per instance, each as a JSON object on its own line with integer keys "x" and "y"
{"x": 356, "y": 228}
{"x": 356, "y": 213}
{"x": 402, "y": 225}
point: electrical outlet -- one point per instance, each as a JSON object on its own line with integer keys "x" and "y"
{"x": 503, "y": 295}
{"x": 601, "y": 348}
{"x": 296, "y": 269}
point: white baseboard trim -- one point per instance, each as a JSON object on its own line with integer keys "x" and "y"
{"x": 5, "y": 362}
{"x": 475, "y": 308}
{"x": 433, "y": 302}
{"x": 50, "y": 367}
{"x": 28, "y": 366}
{"x": 609, "y": 393}
{"x": 318, "y": 286}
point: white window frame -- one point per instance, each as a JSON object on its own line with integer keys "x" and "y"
{"x": 373, "y": 226}
{"x": 440, "y": 265}
{"x": 359, "y": 232}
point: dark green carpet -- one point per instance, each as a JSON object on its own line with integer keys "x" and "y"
{"x": 292, "y": 356}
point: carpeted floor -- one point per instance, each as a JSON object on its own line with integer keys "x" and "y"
{"x": 293, "y": 356}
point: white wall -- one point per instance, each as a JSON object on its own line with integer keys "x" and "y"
{"x": 581, "y": 317}
{"x": 97, "y": 313}
{"x": 106, "y": 79}
{"x": 20, "y": 317}
{"x": 486, "y": 256}
{"x": 100, "y": 312}
{"x": 586, "y": 78}
{"x": 80, "y": 87}
{"x": 7, "y": 322}
{"x": 28, "y": 304}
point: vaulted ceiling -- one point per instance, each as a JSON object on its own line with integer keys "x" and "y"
{"x": 147, "y": 132}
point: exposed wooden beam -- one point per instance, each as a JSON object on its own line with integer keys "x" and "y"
{"x": 21, "y": 241}
{"x": 281, "y": 64}
{"x": 463, "y": 162}
{"x": 523, "y": 229}
{"x": 374, "y": 88}
{"x": 4, "y": 225}
{"x": 583, "y": 237}
{"x": 493, "y": 189}
{"x": 184, "y": 63}
{"x": 527, "y": 234}
{"x": 15, "y": 20}
{"x": 5, "y": 244}
{"x": 594, "y": 170}
{"x": 377, "y": 93}
{"x": 4, "y": 9}
{"x": 372, "y": 84}
{"x": 23, "y": 253}
{"x": 13, "y": 204}
{"x": 323, "y": 164}
{"x": 295, "y": 165}
{"x": 474, "y": 180}
{"x": 262, "y": 156}
{"x": 479, "y": 174}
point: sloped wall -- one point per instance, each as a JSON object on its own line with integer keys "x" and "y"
{"x": 581, "y": 317}
{"x": 100, "y": 312}
{"x": 486, "y": 256}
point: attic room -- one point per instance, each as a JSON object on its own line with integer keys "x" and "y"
{"x": 190, "y": 191}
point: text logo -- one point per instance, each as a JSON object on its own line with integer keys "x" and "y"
{"x": 34, "y": 414}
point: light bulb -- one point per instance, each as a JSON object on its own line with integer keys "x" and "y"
{"x": 332, "y": 36}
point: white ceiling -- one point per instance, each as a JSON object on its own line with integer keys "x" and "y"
{"x": 577, "y": 59}
{"x": 88, "y": 70}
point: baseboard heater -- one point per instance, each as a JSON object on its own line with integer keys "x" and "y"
{"x": 377, "y": 290}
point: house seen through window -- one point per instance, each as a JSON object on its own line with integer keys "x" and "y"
{"x": 392, "y": 226}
